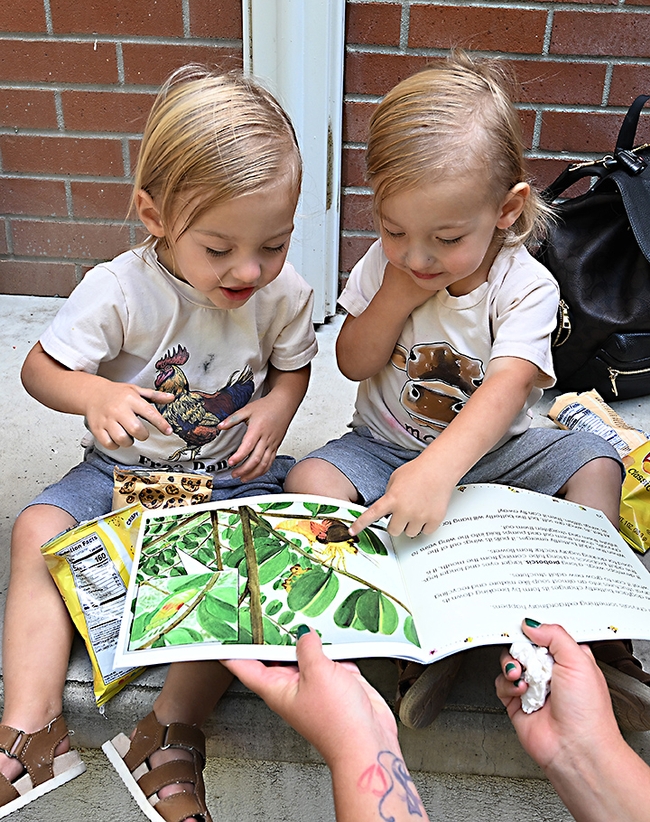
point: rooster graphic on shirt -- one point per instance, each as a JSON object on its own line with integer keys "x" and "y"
{"x": 195, "y": 415}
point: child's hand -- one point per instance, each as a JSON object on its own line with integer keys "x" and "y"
{"x": 266, "y": 425}
{"x": 417, "y": 496}
{"x": 114, "y": 412}
{"x": 403, "y": 289}
{"x": 267, "y": 420}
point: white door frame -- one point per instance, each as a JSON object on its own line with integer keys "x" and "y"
{"x": 296, "y": 48}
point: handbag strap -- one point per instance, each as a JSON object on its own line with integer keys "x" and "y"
{"x": 626, "y": 170}
{"x": 627, "y": 134}
{"x": 623, "y": 157}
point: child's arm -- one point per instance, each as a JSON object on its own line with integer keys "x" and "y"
{"x": 113, "y": 410}
{"x": 366, "y": 342}
{"x": 267, "y": 420}
{"x": 418, "y": 493}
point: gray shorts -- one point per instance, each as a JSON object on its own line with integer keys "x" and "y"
{"x": 86, "y": 491}
{"x": 540, "y": 459}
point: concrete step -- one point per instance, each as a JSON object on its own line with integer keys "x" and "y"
{"x": 261, "y": 791}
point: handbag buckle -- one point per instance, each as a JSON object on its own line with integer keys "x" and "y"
{"x": 632, "y": 163}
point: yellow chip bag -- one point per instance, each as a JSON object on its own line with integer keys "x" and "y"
{"x": 635, "y": 499}
{"x": 91, "y": 565}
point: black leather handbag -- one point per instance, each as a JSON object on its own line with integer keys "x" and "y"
{"x": 599, "y": 252}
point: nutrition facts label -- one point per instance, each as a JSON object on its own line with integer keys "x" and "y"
{"x": 101, "y": 593}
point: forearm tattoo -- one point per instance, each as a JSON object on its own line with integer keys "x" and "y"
{"x": 389, "y": 780}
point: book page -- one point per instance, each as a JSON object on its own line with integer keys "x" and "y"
{"x": 503, "y": 554}
{"x": 237, "y": 579}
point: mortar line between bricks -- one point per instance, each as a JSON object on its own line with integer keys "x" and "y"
{"x": 119, "y": 59}
{"x": 186, "y": 18}
{"x": 48, "y": 16}
{"x": 598, "y": 59}
{"x": 607, "y": 84}
{"x": 55, "y": 177}
{"x": 58, "y": 108}
{"x": 535, "y": 6}
{"x": 130, "y": 39}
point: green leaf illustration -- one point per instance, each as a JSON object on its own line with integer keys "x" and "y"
{"x": 275, "y": 565}
{"x": 367, "y": 610}
{"x": 275, "y": 506}
{"x": 182, "y": 636}
{"x": 273, "y": 607}
{"x": 185, "y": 581}
{"x": 218, "y": 607}
{"x": 370, "y": 543}
{"x": 345, "y": 614}
{"x": 312, "y": 593}
{"x": 214, "y": 626}
{"x": 378, "y": 613}
{"x": 318, "y": 510}
{"x": 409, "y": 631}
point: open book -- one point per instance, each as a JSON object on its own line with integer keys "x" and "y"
{"x": 237, "y": 578}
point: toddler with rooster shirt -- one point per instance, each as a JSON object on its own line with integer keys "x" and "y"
{"x": 188, "y": 353}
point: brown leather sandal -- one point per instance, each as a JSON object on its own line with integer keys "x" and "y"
{"x": 42, "y": 770}
{"x": 130, "y": 758}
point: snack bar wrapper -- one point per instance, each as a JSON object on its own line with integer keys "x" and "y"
{"x": 91, "y": 565}
{"x": 588, "y": 411}
{"x": 159, "y": 489}
{"x": 635, "y": 499}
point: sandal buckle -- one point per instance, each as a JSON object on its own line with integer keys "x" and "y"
{"x": 16, "y": 748}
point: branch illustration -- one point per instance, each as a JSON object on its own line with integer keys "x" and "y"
{"x": 257, "y": 626}
{"x": 185, "y": 613}
{"x": 214, "y": 517}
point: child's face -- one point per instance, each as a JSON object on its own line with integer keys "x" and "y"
{"x": 442, "y": 234}
{"x": 237, "y": 247}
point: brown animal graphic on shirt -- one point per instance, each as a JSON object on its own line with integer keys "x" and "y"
{"x": 439, "y": 382}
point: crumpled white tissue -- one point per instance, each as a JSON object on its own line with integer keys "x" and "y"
{"x": 538, "y": 667}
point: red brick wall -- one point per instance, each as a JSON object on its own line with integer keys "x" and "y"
{"x": 76, "y": 82}
{"x": 77, "y": 78}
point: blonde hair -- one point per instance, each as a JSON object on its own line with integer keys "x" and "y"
{"x": 211, "y": 137}
{"x": 453, "y": 119}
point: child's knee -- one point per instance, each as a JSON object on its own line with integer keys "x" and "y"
{"x": 602, "y": 470}
{"x": 303, "y": 476}
{"x": 37, "y": 525}
{"x": 317, "y": 476}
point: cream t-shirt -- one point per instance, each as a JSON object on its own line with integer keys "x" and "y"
{"x": 130, "y": 320}
{"x": 447, "y": 343}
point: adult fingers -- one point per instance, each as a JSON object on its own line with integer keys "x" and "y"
{"x": 511, "y": 668}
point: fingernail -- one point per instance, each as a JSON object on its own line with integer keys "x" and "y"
{"x": 510, "y": 667}
{"x": 301, "y": 630}
{"x": 532, "y": 623}
{"x": 518, "y": 682}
